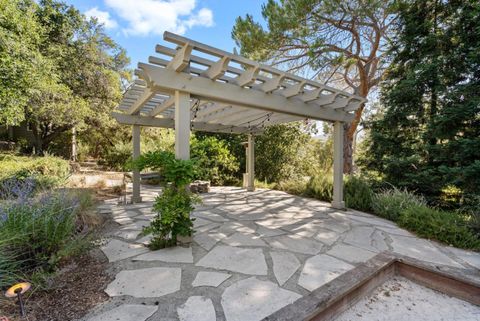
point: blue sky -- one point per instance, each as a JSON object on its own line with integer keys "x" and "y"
{"x": 137, "y": 25}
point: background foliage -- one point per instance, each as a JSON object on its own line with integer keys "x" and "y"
{"x": 427, "y": 136}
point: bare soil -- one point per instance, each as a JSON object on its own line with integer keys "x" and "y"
{"x": 74, "y": 290}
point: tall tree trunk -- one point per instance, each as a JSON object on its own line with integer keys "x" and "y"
{"x": 37, "y": 140}
{"x": 348, "y": 137}
{"x": 74, "y": 144}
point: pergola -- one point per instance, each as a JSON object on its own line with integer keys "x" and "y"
{"x": 201, "y": 88}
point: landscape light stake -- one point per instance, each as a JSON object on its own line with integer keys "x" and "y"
{"x": 17, "y": 291}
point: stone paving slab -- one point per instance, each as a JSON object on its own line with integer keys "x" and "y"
{"x": 206, "y": 240}
{"x": 240, "y": 239}
{"x": 210, "y": 278}
{"x": 126, "y": 312}
{"x": 366, "y": 238}
{"x": 295, "y": 243}
{"x": 253, "y": 300}
{"x": 284, "y": 265}
{"x": 321, "y": 269}
{"x": 472, "y": 258}
{"x": 197, "y": 308}
{"x": 326, "y": 236}
{"x": 128, "y": 235}
{"x": 146, "y": 283}
{"x": 116, "y": 250}
{"x": 209, "y": 215}
{"x": 235, "y": 259}
{"x": 176, "y": 254}
{"x": 422, "y": 250}
{"x": 350, "y": 253}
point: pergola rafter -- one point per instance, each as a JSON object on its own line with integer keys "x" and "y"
{"x": 198, "y": 87}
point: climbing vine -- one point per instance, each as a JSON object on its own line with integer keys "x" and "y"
{"x": 174, "y": 205}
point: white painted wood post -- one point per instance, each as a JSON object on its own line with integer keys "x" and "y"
{"x": 136, "y": 198}
{"x": 338, "y": 166}
{"x": 182, "y": 125}
{"x": 251, "y": 163}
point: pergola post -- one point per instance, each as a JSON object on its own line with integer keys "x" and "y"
{"x": 136, "y": 198}
{"x": 338, "y": 166}
{"x": 251, "y": 163}
{"x": 182, "y": 125}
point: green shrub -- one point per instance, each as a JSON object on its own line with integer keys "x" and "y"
{"x": 293, "y": 186}
{"x": 358, "y": 194}
{"x": 215, "y": 161}
{"x": 390, "y": 203}
{"x": 174, "y": 205}
{"x": 117, "y": 157}
{"x": 447, "y": 227}
{"x": 46, "y": 171}
{"x": 321, "y": 187}
{"x": 471, "y": 210}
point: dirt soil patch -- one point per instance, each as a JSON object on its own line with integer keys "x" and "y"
{"x": 73, "y": 291}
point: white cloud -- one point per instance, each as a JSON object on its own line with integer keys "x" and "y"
{"x": 103, "y": 17}
{"x": 145, "y": 17}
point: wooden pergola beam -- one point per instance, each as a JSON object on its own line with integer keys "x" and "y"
{"x": 169, "y": 123}
{"x": 141, "y": 100}
{"x": 205, "y": 89}
{"x": 162, "y": 107}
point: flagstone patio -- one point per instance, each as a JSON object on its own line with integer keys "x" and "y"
{"x": 253, "y": 253}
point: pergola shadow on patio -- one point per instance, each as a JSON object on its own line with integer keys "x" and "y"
{"x": 201, "y": 88}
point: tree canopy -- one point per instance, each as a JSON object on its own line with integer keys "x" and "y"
{"x": 427, "y": 136}
{"x": 59, "y": 69}
{"x": 340, "y": 42}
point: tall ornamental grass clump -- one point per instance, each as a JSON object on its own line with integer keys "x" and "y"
{"x": 174, "y": 205}
{"x": 321, "y": 187}
{"x": 36, "y": 233}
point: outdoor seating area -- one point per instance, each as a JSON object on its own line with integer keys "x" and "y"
{"x": 253, "y": 254}
{"x": 273, "y": 160}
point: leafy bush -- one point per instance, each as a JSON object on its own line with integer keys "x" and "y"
{"x": 447, "y": 227}
{"x": 471, "y": 210}
{"x": 174, "y": 205}
{"x": 117, "y": 157}
{"x": 43, "y": 172}
{"x": 37, "y": 233}
{"x": 321, "y": 187}
{"x": 358, "y": 194}
{"x": 293, "y": 186}
{"x": 390, "y": 203}
{"x": 215, "y": 161}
